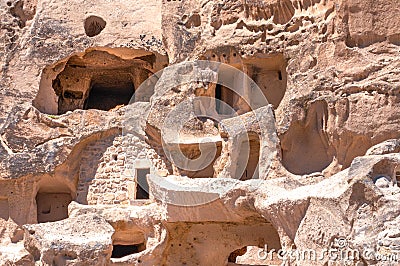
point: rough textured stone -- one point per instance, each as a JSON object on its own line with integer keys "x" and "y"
{"x": 117, "y": 149}
{"x": 71, "y": 241}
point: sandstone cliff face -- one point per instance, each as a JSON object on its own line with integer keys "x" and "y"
{"x": 117, "y": 149}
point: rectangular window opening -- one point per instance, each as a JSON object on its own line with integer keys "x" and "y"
{"x": 142, "y": 186}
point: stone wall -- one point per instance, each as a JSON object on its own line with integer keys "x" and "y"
{"x": 104, "y": 177}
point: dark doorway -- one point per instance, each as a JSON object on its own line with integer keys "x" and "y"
{"x": 239, "y": 252}
{"x": 142, "y": 186}
{"x": 223, "y": 94}
{"x": 4, "y": 209}
{"x": 108, "y": 92}
{"x": 120, "y": 251}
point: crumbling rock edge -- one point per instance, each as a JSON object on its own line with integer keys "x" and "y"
{"x": 287, "y": 206}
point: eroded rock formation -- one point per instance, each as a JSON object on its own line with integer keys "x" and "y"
{"x": 200, "y": 132}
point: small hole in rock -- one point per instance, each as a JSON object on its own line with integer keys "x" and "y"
{"x": 94, "y": 25}
{"x": 142, "y": 186}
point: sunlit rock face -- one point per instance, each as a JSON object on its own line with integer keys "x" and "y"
{"x": 200, "y": 132}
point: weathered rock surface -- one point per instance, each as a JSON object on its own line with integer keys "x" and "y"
{"x": 116, "y": 149}
{"x": 75, "y": 241}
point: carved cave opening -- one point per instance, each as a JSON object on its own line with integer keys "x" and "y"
{"x": 99, "y": 78}
{"x": 386, "y": 169}
{"x": 397, "y": 176}
{"x": 52, "y": 198}
{"x": 94, "y": 25}
{"x": 249, "y": 153}
{"x": 101, "y": 89}
{"x": 246, "y": 255}
{"x": 239, "y": 252}
{"x": 226, "y": 100}
{"x": 201, "y": 157}
{"x": 52, "y": 207}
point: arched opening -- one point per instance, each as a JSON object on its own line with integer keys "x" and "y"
{"x": 120, "y": 251}
{"x": 305, "y": 147}
{"x": 52, "y": 207}
{"x": 128, "y": 239}
{"x": 142, "y": 186}
{"x": 96, "y": 87}
{"x": 225, "y": 100}
{"x": 4, "y": 208}
{"x": 201, "y": 158}
{"x": 99, "y": 78}
{"x": 386, "y": 173}
{"x": 237, "y": 243}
